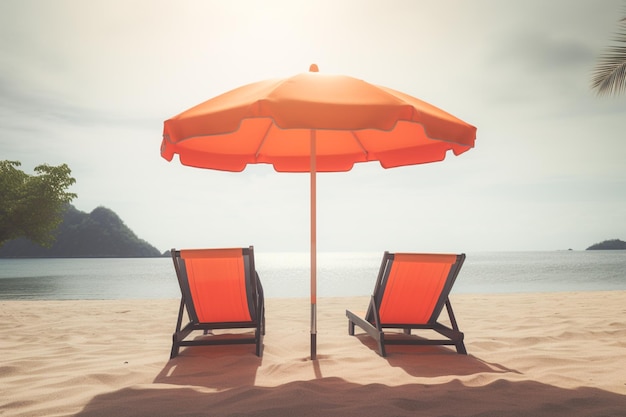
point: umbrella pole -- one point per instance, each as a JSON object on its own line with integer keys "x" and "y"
{"x": 313, "y": 248}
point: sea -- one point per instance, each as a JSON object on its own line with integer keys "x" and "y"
{"x": 287, "y": 275}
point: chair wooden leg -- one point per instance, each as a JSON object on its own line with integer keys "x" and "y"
{"x": 175, "y": 347}
{"x": 381, "y": 345}
{"x": 258, "y": 342}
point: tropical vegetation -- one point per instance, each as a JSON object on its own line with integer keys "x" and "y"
{"x": 32, "y": 206}
{"x": 609, "y": 76}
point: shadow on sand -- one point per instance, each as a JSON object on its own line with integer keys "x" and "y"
{"x": 433, "y": 361}
{"x": 189, "y": 385}
{"x": 196, "y": 366}
{"x": 337, "y": 397}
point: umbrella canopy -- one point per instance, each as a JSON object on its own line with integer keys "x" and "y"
{"x": 313, "y": 122}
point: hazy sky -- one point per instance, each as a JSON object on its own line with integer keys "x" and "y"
{"x": 89, "y": 83}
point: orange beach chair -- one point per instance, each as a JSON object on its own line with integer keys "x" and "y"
{"x": 220, "y": 290}
{"x": 410, "y": 293}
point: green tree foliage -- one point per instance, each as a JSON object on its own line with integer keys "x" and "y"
{"x": 609, "y": 76}
{"x": 32, "y": 206}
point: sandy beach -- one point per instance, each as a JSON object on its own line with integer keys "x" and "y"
{"x": 551, "y": 354}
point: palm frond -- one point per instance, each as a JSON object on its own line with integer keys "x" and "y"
{"x": 609, "y": 75}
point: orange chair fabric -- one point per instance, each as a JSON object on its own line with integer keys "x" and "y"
{"x": 217, "y": 284}
{"x": 414, "y": 287}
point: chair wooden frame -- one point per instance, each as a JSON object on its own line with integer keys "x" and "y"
{"x": 375, "y": 328}
{"x": 255, "y": 305}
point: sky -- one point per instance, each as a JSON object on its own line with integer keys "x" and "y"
{"x": 90, "y": 83}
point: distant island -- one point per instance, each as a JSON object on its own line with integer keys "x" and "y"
{"x": 99, "y": 234}
{"x": 613, "y": 244}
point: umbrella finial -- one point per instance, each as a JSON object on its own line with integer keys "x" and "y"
{"x": 313, "y": 68}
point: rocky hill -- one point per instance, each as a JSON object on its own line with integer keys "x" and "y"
{"x": 608, "y": 245}
{"x": 99, "y": 234}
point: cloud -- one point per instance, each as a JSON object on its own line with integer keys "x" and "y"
{"x": 542, "y": 52}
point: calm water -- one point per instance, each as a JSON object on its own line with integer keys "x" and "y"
{"x": 287, "y": 275}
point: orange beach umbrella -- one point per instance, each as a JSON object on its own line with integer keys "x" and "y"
{"x": 313, "y": 122}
